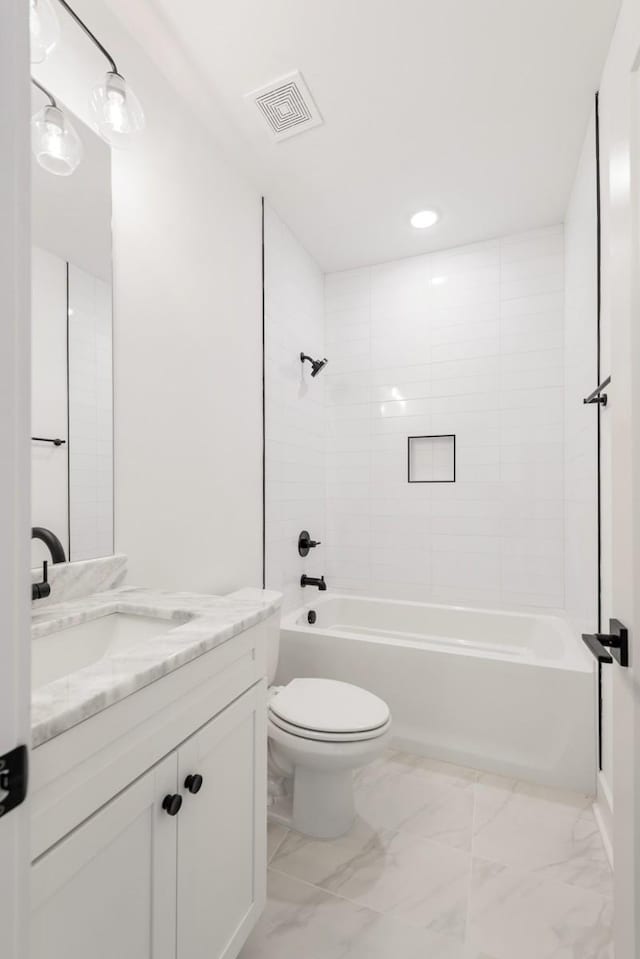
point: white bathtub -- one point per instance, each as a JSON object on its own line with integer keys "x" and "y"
{"x": 511, "y": 693}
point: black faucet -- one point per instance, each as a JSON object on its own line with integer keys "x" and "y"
{"x": 43, "y": 589}
{"x": 51, "y": 541}
{"x": 313, "y": 581}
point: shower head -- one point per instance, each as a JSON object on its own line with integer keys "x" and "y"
{"x": 316, "y": 365}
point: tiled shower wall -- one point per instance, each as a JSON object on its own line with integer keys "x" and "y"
{"x": 295, "y": 421}
{"x": 467, "y": 341}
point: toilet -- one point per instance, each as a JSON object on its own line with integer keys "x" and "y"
{"x": 320, "y": 731}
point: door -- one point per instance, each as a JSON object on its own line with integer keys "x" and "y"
{"x": 620, "y": 184}
{"x": 222, "y": 830}
{"x": 14, "y": 461}
{"x": 109, "y": 889}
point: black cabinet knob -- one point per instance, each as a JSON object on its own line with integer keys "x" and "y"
{"x": 172, "y": 803}
{"x": 193, "y": 783}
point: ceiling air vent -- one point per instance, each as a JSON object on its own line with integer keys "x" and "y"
{"x": 287, "y": 106}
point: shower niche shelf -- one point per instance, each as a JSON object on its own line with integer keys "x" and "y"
{"x": 431, "y": 459}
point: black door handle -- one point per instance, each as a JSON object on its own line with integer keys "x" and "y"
{"x": 172, "y": 803}
{"x": 595, "y": 646}
{"x": 193, "y": 783}
{"x": 617, "y": 640}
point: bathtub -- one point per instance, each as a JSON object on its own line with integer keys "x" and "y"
{"x": 510, "y": 693}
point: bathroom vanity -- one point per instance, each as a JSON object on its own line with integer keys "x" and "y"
{"x": 148, "y": 774}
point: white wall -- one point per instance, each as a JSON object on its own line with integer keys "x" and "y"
{"x": 187, "y": 306}
{"x": 187, "y": 340}
{"x": 295, "y": 425}
{"x": 467, "y": 341}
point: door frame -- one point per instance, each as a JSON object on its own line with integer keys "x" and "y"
{"x": 620, "y": 158}
{"x": 15, "y": 385}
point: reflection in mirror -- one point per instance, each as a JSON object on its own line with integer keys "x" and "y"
{"x": 72, "y": 381}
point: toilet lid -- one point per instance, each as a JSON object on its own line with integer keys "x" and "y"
{"x": 329, "y": 706}
{"x": 324, "y": 737}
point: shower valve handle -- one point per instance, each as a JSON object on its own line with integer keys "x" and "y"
{"x": 305, "y": 543}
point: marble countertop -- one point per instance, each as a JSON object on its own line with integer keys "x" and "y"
{"x": 196, "y": 623}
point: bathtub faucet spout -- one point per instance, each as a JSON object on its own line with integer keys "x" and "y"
{"x": 313, "y": 581}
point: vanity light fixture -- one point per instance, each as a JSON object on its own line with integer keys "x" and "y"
{"x": 117, "y": 112}
{"x": 116, "y": 109}
{"x": 44, "y": 29}
{"x": 424, "y": 219}
{"x": 54, "y": 141}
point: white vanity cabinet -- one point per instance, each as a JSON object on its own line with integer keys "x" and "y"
{"x": 173, "y": 866}
{"x": 222, "y": 833}
{"x": 109, "y": 889}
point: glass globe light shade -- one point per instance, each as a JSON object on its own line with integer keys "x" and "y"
{"x": 44, "y": 29}
{"x": 55, "y": 144}
{"x": 117, "y": 112}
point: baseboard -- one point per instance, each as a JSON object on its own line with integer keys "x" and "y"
{"x": 603, "y": 812}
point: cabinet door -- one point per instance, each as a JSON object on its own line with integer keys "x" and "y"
{"x": 108, "y": 890}
{"x": 222, "y": 831}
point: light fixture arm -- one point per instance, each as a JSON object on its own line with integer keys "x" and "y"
{"x": 105, "y": 53}
{"x": 44, "y": 90}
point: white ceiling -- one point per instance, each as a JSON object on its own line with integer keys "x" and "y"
{"x": 477, "y": 108}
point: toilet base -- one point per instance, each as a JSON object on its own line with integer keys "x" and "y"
{"x": 311, "y": 781}
{"x": 323, "y": 805}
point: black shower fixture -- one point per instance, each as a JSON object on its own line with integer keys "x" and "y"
{"x": 316, "y": 365}
{"x": 305, "y": 543}
{"x": 313, "y": 581}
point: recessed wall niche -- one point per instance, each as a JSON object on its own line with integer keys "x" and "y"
{"x": 431, "y": 459}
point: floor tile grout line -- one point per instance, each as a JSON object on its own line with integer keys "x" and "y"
{"x": 274, "y": 852}
{"x": 361, "y": 905}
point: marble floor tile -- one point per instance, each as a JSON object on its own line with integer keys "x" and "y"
{"x": 514, "y": 913}
{"x": 543, "y": 795}
{"x": 304, "y": 922}
{"x": 552, "y": 835}
{"x": 392, "y": 760}
{"x": 442, "y": 863}
{"x": 422, "y": 882}
{"x": 275, "y": 834}
{"x": 419, "y": 796}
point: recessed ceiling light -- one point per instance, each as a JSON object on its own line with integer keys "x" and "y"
{"x": 424, "y": 219}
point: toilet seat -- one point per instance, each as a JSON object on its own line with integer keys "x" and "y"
{"x": 328, "y": 710}
{"x": 320, "y": 736}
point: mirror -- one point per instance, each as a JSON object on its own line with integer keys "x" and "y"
{"x": 72, "y": 356}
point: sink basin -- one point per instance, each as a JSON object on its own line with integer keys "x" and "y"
{"x": 63, "y": 652}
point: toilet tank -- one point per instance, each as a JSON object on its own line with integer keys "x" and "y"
{"x": 273, "y": 647}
